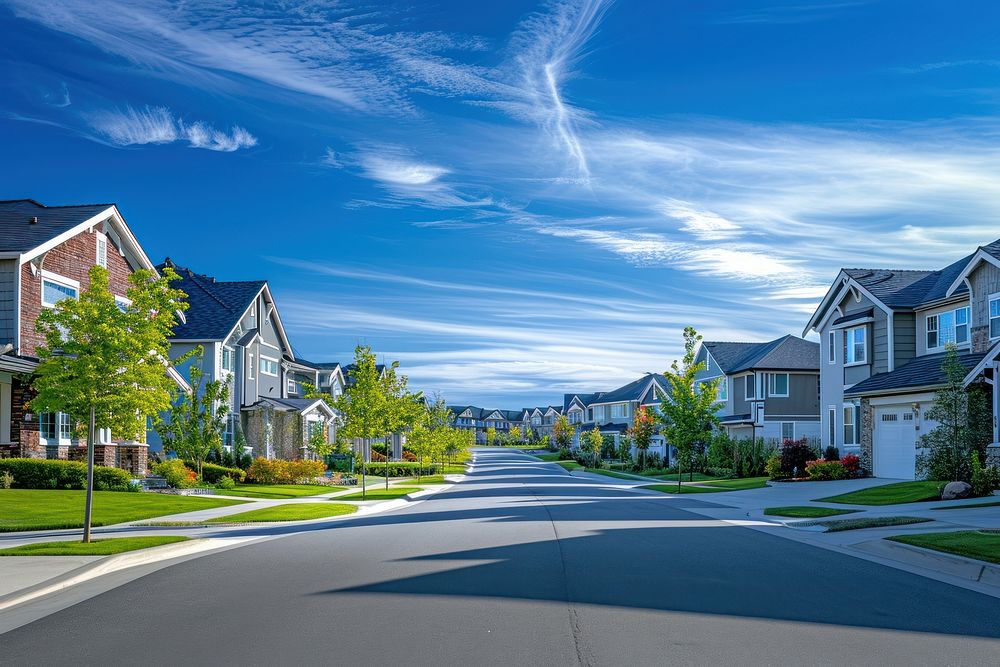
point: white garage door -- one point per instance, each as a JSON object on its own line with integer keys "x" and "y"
{"x": 894, "y": 445}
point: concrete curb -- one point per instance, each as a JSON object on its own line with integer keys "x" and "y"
{"x": 938, "y": 561}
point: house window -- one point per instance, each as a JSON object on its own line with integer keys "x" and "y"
{"x": 56, "y": 289}
{"x": 293, "y": 386}
{"x": 102, "y": 250}
{"x": 832, "y": 343}
{"x": 268, "y": 366}
{"x": 618, "y": 410}
{"x": 722, "y": 393}
{"x": 787, "y": 431}
{"x": 250, "y": 367}
{"x": 857, "y": 348}
{"x": 948, "y": 327}
{"x": 229, "y": 436}
{"x": 777, "y": 384}
{"x": 123, "y": 303}
{"x": 995, "y": 316}
{"x": 850, "y": 425}
{"x": 833, "y": 426}
{"x": 751, "y": 386}
{"x": 55, "y": 426}
{"x": 228, "y": 359}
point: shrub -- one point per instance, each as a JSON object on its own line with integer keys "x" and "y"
{"x": 794, "y": 456}
{"x": 409, "y": 456}
{"x": 377, "y": 456}
{"x": 212, "y": 473}
{"x": 112, "y": 479}
{"x": 831, "y": 454}
{"x": 225, "y": 482}
{"x": 773, "y": 468}
{"x": 176, "y": 473}
{"x": 721, "y": 473}
{"x": 400, "y": 469}
{"x": 276, "y": 471}
{"x": 822, "y": 469}
{"x": 984, "y": 479}
{"x": 565, "y": 454}
{"x": 852, "y": 464}
{"x": 58, "y": 474}
{"x": 6, "y": 480}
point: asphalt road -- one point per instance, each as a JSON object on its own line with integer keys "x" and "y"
{"x": 522, "y": 564}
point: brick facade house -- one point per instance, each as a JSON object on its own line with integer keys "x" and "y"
{"x": 46, "y": 254}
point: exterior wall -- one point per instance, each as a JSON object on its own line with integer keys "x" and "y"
{"x": 904, "y": 336}
{"x": 985, "y": 280}
{"x": 920, "y": 327}
{"x": 802, "y": 402}
{"x": 72, "y": 259}
{"x": 737, "y": 396}
{"x": 878, "y": 348}
{"x": 8, "y": 300}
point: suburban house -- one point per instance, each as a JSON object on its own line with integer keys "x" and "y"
{"x": 612, "y": 411}
{"x": 766, "y": 390}
{"x": 884, "y": 334}
{"x": 46, "y": 254}
{"x": 239, "y": 328}
{"x": 478, "y": 420}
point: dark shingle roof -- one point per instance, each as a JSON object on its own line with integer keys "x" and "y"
{"x": 633, "y": 390}
{"x": 860, "y": 315}
{"x": 898, "y": 288}
{"x": 214, "y": 307}
{"x": 18, "y": 234}
{"x": 586, "y": 399}
{"x": 785, "y": 353}
{"x": 921, "y": 372}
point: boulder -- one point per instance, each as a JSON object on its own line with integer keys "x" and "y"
{"x": 956, "y": 490}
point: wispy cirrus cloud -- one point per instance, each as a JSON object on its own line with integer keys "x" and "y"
{"x": 791, "y": 13}
{"x": 158, "y": 125}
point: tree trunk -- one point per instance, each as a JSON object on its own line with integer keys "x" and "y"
{"x": 89, "y": 502}
{"x": 680, "y": 474}
{"x": 364, "y": 467}
{"x": 388, "y": 447}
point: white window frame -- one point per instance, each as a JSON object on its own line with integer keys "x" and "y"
{"x": 782, "y": 427}
{"x": 232, "y": 359}
{"x": 619, "y": 410}
{"x": 990, "y": 317}
{"x": 852, "y": 410}
{"x": 101, "y": 241}
{"x": 832, "y": 426}
{"x": 850, "y": 345}
{"x": 772, "y": 385}
{"x": 123, "y": 303}
{"x": 277, "y": 366}
{"x": 750, "y": 383}
{"x": 944, "y": 335}
{"x": 291, "y": 386}
{"x": 62, "y": 281}
{"x": 832, "y": 351}
{"x": 250, "y": 366}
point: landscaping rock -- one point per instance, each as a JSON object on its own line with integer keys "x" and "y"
{"x": 956, "y": 491}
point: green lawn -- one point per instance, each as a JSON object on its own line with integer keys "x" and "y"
{"x": 890, "y": 494}
{"x": 547, "y": 456}
{"x": 805, "y": 512}
{"x": 874, "y": 522}
{"x": 289, "y": 512}
{"x": 36, "y": 509}
{"x": 276, "y": 491}
{"x": 429, "y": 479}
{"x": 611, "y": 473}
{"x": 966, "y": 506}
{"x": 971, "y": 543}
{"x": 713, "y": 487}
{"x": 697, "y": 477}
{"x": 569, "y": 465}
{"x": 381, "y": 494}
{"x": 107, "y": 547}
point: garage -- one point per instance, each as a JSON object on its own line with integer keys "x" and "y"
{"x": 894, "y": 450}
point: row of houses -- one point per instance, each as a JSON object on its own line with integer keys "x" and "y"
{"x": 865, "y": 388}
{"x": 46, "y": 254}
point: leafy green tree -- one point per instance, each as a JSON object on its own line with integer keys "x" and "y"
{"x": 361, "y": 406}
{"x": 593, "y": 442}
{"x": 643, "y": 427}
{"x": 515, "y": 434}
{"x": 563, "y": 432}
{"x": 401, "y": 408}
{"x": 688, "y": 412}
{"x": 195, "y": 423}
{"x": 491, "y": 435}
{"x": 106, "y": 363}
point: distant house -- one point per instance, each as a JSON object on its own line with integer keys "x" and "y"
{"x": 479, "y": 420}
{"x": 884, "y": 333}
{"x": 46, "y": 254}
{"x": 613, "y": 412}
{"x": 239, "y": 328}
{"x": 766, "y": 390}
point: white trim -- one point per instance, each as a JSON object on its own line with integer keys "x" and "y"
{"x": 100, "y": 237}
{"x": 68, "y": 282}
{"x": 831, "y": 347}
{"x": 271, "y": 345}
{"x": 989, "y": 320}
{"x": 781, "y": 430}
{"x": 979, "y": 256}
{"x": 276, "y": 362}
{"x": 991, "y": 356}
{"x": 57, "y": 280}
{"x": 770, "y": 382}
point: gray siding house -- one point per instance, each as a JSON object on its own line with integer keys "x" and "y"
{"x": 612, "y": 411}
{"x": 766, "y": 390}
{"x": 884, "y": 333}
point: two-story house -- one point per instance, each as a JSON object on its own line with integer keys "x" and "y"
{"x": 239, "y": 329}
{"x": 479, "y": 420}
{"x": 884, "y": 334}
{"x": 46, "y": 254}
{"x": 612, "y": 412}
{"x": 766, "y": 390}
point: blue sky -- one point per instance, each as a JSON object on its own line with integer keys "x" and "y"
{"x": 516, "y": 199}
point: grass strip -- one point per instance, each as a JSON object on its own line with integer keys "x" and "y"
{"x": 981, "y": 545}
{"x": 391, "y": 493}
{"x": 890, "y": 494}
{"x": 108, "y": 547}
{"x": 276, "y": 491}
{"x": 967, "y": 506}
{"x": 289, "y": 512}
{"x": 806, "y": 512}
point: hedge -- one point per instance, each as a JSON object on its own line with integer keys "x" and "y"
{"x": 277, "y": 471}
{"x": 400, "y": 469}
{"x": 212, "y": 473}
{"x": 58, "y": 474}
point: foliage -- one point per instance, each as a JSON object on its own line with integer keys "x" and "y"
{"x": 361, "y": 404}
{"x": 276, "y": 471}
{"x": 591, "y": 442}
{"x": 563, "y": 432}
{"x": 106, "y": 547}
{"x": 773, "y": 467}
{"x": 401, "y": 408}
{"x": 212, "y": 473}
{"x": 950, "y": 444}
{"x": 831, "y": 453}
{"x": 747, "y": 457}
{"x": 984, "y": 478}
{"x": 225, "y": 482}
{"x": 721, "y": 473}
{"x": 241, "y": 457}
{"x": 794, "y": 456}
{"x": 6, "y": 480}
{"x": 821, "y": 469}
{"x": 515, "y": 434}
{"x": 403, "y": 469}
{"x": 58, "y": 474}
{"x": 641, "y": 432}
{"x": 176, "y": 473}
{"x": 195, "y": 423}
{"x": 565, "y": 454}
{"x": 688, "y": 413}
{"x": 491, "y": 435}
{"x": 852, "y": 464}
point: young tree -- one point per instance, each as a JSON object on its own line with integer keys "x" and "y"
{"x": 195, "y": 423}
{"x": 107, "y": 363}
{"x": 361, "y": 405}
{"x": 491, "y": 435}
{"x": 593, "y": 442}
{"x": 515, "y": 434}
{"x": 563, "y": 432}
{"x": 643, "y": 426}
{"x": 688, "y": 412}
{"x": 401, "y": 408}
{"x": 432, "y": 429}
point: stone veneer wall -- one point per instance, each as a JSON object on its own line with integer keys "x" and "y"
{"x": 980, "y": 339}
{"x": 287, "y": 433}
{"x": 867, "y": 431}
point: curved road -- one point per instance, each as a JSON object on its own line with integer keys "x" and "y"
{"x": 522, "y": 564}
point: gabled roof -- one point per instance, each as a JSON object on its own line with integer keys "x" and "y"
{"x": 988, "y": 253}
{"x": 303, "y": 405}
{"x": 633, "y": 391}
{"x": 785, "y": 353}
{"x": 921, "y": 373}
{"x": 214, "y": 307}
